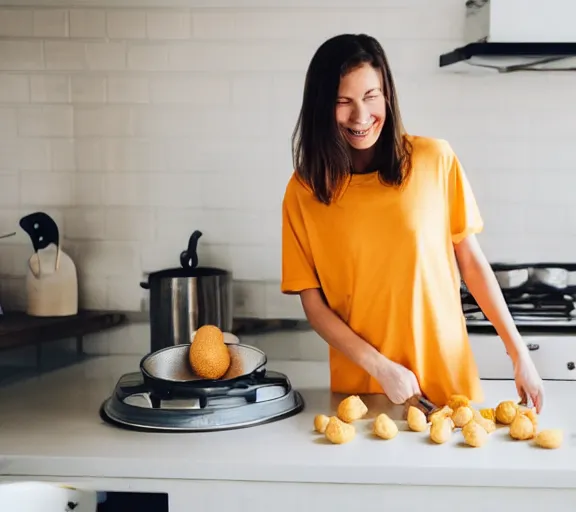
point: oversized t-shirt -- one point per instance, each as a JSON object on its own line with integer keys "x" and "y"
{"x": 384, "y": 259}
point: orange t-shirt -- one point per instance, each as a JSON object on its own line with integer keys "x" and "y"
{"x": 385, "y": 261}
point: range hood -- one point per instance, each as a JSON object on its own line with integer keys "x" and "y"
{"x": 517, "y": 35}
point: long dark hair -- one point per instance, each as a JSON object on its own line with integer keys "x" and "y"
{"x": 322, "y": 158}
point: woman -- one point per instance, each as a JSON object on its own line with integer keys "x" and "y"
{"x": 378, "y": 226}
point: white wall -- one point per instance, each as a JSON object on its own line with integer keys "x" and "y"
{"x": 135, "y": 126}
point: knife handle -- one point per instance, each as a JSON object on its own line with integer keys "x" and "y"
{"x": 421, "y": 403}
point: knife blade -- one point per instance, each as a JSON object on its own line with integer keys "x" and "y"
{"x": 421, "y": 403}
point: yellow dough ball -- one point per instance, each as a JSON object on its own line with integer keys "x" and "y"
{"x": 488, "y": 413}
{"x": 445, "y": 412}
{"x": 351, "y": 409}
{"x": 339, "y": 432}
{"x": 506, "y": 412}
{"x": 321, "y": 422}
{"x": 521, "y": 428}
{"x": 416, "y": 419}
{"x": 488, "y": 425}
{"x": 531, "y": 415}
{"x": 441, "y": 430}
{"x": 385, "y": 427}
{"x": 550, "y": 439}
{"x": 462, "y": 415}
{"x": 474, "y": 435}
{"x": 456, "y": 401}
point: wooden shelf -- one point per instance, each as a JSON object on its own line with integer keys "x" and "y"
{"x": 17, "y": 329}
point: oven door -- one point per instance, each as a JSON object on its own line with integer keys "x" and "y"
{"x": 553, "y": 354}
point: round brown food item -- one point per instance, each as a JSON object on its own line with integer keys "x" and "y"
{"x": 474, "y": 435}
{"x": 385, "y": 427}
{"x": 416, "y": 419}
{"x": 441, "y": 430}
{"x": 462, "y": 415}
{"x": 351, "y": 409}
{"x": 208, "y": 355}
{"x": 549, "y": 438}
{"x": 506, "y": 412}
{"x": 521, "y": 428}
{"x": 338, "y": 431}
{"x": 320, "y": 423}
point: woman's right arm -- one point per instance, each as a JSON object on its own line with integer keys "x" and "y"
{"x": 398, "y": 383}
{"x": 337, "y": 334}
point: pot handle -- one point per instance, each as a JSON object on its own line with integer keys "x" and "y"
{"x": 189, "y": 257}
{"x": 145, "y": 285}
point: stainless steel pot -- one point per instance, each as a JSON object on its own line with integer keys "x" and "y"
{"x": 186, "y": 298}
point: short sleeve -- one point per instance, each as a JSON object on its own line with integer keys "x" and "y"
{"x": 465, "y": 218}
{"x": 298, "y": 270}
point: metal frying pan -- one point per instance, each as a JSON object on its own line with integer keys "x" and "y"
{"x": 168, "y": 371}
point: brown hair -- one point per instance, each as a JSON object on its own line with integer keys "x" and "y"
{"x": 321, "y": 155}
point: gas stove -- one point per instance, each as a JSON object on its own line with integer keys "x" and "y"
{"x": 538, "y": 295}
{"x": 134, "y": 406}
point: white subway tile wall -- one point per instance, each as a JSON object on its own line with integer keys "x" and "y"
{"x": 134, "y": 123}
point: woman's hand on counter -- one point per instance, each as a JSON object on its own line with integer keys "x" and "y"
{"x": 528, "y": 382}
{"x": 398, "y": 382}
{"x": 482, "y": 284}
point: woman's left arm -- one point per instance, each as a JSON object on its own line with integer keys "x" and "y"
{"x": 482, "y": 284}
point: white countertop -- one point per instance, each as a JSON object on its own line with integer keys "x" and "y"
{"x": 50, "y": 426}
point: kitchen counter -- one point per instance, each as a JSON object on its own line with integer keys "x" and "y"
{"x": 50, "y": 428}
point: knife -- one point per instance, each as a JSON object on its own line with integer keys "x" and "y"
{"x": 421, "y": 403}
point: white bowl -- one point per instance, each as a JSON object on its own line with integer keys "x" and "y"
{"x": 32, "y": 496}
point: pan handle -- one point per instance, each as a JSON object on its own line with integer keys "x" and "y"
{"x": 249, "y": 389}
{"x": 260, "y": 377}
{"x": 245, "y": 388}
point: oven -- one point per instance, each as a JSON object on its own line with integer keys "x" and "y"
{"x": 542, "y": 300}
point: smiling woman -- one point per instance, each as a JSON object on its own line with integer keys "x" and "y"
{"x": 378, "y": 226}
{"x": 350, "y": 121}
{"x": 361, "y": 113}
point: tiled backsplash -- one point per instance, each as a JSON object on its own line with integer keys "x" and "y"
{"x": 286, "y": 345}
{"x": 134, "y": 126}
{"x": 134, "y": 339}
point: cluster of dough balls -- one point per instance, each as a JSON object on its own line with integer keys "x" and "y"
{"x": 456, "y": 414}
{"x": 475, "y": 425}
{"x": 339, "y": 429}
{"x": 523, "y": 425}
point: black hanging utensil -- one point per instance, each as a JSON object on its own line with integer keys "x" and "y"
{"x": 189, "y": 257}
{"x": 41, "y": 229}
{"x": 188, "y": 264}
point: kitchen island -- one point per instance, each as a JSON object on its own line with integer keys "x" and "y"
{"x": 50, "y": 429}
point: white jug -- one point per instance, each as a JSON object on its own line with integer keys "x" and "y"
{"x": 45, "y": 497}
{"x": 51, "y": 277}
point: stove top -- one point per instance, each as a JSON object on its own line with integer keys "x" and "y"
{"x": 541, "y": 295}
{"x": 135, "y": 407}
